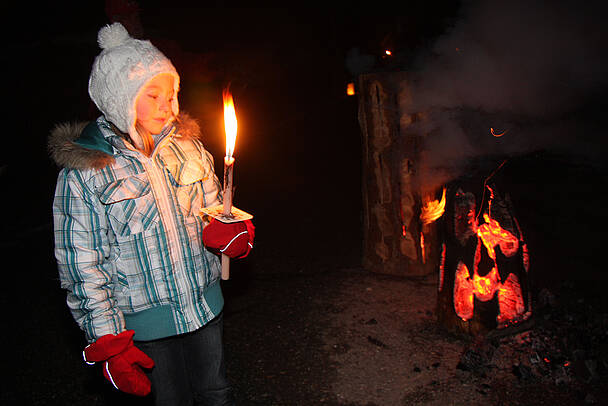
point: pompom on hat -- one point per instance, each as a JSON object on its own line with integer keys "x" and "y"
{"x": 119, "y": 72}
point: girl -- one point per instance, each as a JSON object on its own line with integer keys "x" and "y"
{"x": 128, "y": 234}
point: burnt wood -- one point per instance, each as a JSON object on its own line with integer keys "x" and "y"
{"x": 461, "y": 245}
{"x": 391, "y": 190}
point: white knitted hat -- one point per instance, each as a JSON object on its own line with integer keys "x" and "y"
{"x": 119, "y": 72}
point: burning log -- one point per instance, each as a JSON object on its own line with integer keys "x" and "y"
{"x": 476, "y": 245}
{"x": 484, "y": 266}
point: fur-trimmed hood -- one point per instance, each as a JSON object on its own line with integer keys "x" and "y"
{"x": 67, "y": 152}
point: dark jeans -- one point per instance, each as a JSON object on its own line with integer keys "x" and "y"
{"x": 189, "y": 368}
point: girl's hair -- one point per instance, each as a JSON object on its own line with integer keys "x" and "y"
{"x": 147, "y": 140}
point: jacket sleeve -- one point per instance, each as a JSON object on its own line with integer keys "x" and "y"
{"x": 82, "y": 249}
{"x": 212, "y": 188}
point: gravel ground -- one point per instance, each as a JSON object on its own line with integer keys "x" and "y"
{"x": 368, "y": 339}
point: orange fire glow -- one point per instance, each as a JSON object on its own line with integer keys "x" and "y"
{"x": 484, "y": 288}
{"x": 510, "y": 300}
{"x": 230, "y": 123}
{"x": 350, "y": 89}
{"x": 494, "y": 133}
{"x": 432, "y": 210}
{"x": 492, "y": 234}
{"x": 422, "y": 253}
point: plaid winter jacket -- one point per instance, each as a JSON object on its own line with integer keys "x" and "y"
{"x": 128, "y": 235}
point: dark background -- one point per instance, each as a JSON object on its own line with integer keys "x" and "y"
{"x": 286, "y": 67}
{"x": 298, "y": 154}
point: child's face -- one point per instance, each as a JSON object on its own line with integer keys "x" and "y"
{"x": 153, "y": 104}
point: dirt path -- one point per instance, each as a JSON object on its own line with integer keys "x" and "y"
{"x": 387, "y": 347}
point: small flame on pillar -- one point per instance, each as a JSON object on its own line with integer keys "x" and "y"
{"x": 432, "y": 210}
{"x": 230, "y": 123}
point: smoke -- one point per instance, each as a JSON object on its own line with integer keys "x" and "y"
{"x": 536, "y": 70}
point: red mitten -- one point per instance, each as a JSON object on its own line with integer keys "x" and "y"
{"x": 232, "y": 239}
{"x": 122, "y": 362}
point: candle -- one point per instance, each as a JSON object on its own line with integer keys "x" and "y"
{"x": 226, "y": 212}
{"x": 230, "y": 127}
{"x": 228, "y": 167}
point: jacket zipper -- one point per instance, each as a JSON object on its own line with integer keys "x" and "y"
{"x": 160, "y": 191}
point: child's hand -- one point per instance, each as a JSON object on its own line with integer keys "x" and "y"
{"x": 232, "y": 239}
{"x": 122, "y": 362}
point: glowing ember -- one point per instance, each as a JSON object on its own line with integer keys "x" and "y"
{"x": 510, "y": 300}
{"x": 463, "y": 293}
{"x": 468, "y": 286}
{"x": 526, "y": 257}
{"x": 492, "y": 234}
{"x": 422, "y": 248}
{"x": 494, "y": 133}
{"x": 442, "y": 267}
{"x": 484, "y": 287}
{"x": 432, "y": 210}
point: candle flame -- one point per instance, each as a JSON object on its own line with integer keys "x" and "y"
{"x": 230, "y": 123}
